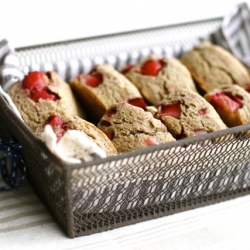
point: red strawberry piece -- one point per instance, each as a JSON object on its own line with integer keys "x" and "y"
{"x": 202, "y": 111}
{"x": 151, "y": 67}
{"x": 138, "y": 102}
{"x": 54, "y": 120}
{"x": 34, "y": 80}
{"x": 127, "y": 69}
{"x": 110, "y": 135}
{"x": 151, "y": 141}
{"x": 238, "y": 99}
{"x": 37, "y": 94}
{"x": 93, "y": 80}
{"x": 172, "y": 109}
{"x": 59, "y": 127}
{"x": 200, "y": 132}
{"x": 110, "y": 112}
{"x": 226, "y": 101}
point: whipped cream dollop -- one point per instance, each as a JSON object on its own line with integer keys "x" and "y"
{"x": 73, "y": 147}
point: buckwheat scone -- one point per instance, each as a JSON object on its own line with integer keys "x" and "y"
{"x": 39, "y": 94}
{"x": 212, "y": 67}
{"x": 130, "y": 128}
{"x": 186, "y": 114}
{"x": 61, "y": 124}
{"x": 232, "y": 103}
{"x": 102, "y": 87}
{"x": 157, "y": 76}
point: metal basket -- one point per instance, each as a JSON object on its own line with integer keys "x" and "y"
{"x": 140, "y": 185}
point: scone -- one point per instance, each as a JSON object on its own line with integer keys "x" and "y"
{"x": 232, "y": 103}
{"x": 61, "y": 124}
{"x": 102, "y": 87}
{"x": 157, "y": 76}
{"x": 186, "y": 114}
{"x": 39, "y": 94}
{"x": 130, "y": 128}
{"x": 212, "y": 67}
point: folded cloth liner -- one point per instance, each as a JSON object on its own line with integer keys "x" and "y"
{"x": 9, "y": 66}
{"x": 233, "y": 35}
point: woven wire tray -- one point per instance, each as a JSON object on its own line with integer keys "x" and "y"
{"x": 139, "y": 185}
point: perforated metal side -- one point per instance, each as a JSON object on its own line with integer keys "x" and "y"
{"x": 183, "y": 35}
{"x": 156, "y": 182}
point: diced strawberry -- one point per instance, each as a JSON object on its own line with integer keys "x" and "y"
{"x": 200, "y": 132}
{"x": 54, "y": 120}
{"x": 37, "y": 83}
{"x": 138, "y": 102}
{"x": 127, "y": 69}
{"x": 151, "y": 141}
{"x": 110, "y": 135}
{"x": 172, "y": 109}
{"x": 202, "y": 111}
{"x": 34, "y": 80}
{"x": 151, "y": 67}
{"x": 238, "y": 99}
{"x": 37, "y": 94}
{"x": 110, "y": 112}
{"x": 59, "y": 127}
{"x": 226, "y": 101}
{"x": 93, "y": 80}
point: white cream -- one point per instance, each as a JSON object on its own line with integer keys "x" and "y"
{"x": 74, "y": 146}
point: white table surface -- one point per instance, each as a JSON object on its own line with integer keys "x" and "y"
{"x": 26, "y": 224}
{"x": 222, "y": 226}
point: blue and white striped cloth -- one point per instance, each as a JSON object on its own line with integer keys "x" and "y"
{"x": 234, "y": 33}
{"x": 9, "y": 65}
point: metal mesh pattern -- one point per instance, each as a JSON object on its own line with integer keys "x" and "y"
{"x": 158, "y": 178}
{"x": 46, "y": 176}
{"x": 139, "y": 185}
{"x": 184, "y": 36}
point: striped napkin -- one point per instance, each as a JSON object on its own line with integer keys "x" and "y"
{"x": 9, "y": 65}
{"x": 234, "y": 33}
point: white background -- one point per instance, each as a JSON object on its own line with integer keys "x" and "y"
{"x": 32, "y": 22}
